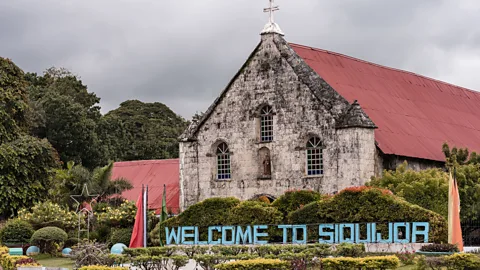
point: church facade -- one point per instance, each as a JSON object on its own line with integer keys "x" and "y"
{"x": 295, "y": 117}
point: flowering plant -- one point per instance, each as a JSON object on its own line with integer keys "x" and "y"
{"x": 49, "y": 214}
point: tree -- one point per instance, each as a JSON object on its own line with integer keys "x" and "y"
{"x": 427, "y": 188}
{"x": 71, "y": 180}
{"x": 26, "y": 162}
{"x": 142, "y": 131}
{"x": 67, "y": 115}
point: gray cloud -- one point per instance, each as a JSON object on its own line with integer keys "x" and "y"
{"x": 183, "y": 53}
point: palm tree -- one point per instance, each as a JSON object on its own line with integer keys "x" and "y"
{"x": 104, "y": 186}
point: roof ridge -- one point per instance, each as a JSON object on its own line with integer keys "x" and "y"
{"x": 386, "y": 67}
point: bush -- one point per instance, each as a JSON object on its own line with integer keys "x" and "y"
{"x": 88, "y": 253}
{"x": 256, "y": 264}
{"x": 406, "y": 258}
{"x": 102, "y": 267}
{"x": 70, "y": 242}
{"x": 350, "y": 250}
{"x": 377, "y": 262}
{"x": 16, "y": 231}
{"x": 121, "y": 236}
{"x": 462, "y": 261}
{"x": 49, "y": 239}
{"x": 439, "y": 248}
{"x": 364, "y": 205}
{"x": 214, "y": 211}
{"x": 122, "y": 216}
{"x": 294, "y": 200}
{"x": 48, "y": 214}
{"x": 12, "y": 262}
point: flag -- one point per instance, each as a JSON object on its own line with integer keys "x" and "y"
{"x": 454, "y": 227}
{"x": 137, "y": 240}
{"x": 164, "y": 213}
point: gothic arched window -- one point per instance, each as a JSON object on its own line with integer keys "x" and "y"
{"x": 266, "y": 124}
{"x": 223, "y": 162}
{"x": 314, "y": 153}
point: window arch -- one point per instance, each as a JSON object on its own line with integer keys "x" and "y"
{"x": 223, "y": 162}
{"x": 314, "y": 154}
{"x": 266, "y": 124}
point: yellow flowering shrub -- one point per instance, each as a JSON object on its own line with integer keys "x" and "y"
{"x": 101, "y": 267}
{"x": 255, "y": 264}
{"x": 120, "y": 217}
{"x": 50, "y": 214}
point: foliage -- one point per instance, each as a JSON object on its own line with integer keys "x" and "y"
{"x": 214, "y": 211}
{"x": 294, "y": 200}
{"x": 468, "y": 177}
{"x": 122, "y": 235}
{"x": 458, "y": 261}
{"x": 16, "y": 231}
{"x": 345, "y": 263}
{"x": 88, "y": 253}
{"x": 142, "y": 131}
{"x": 49, "y": 239}
{"x": 25, "y": 162}
{"x": 49, "y": 214}
{"x": 367, "y": 204}
{"x": 71, "y": 114}
{"x": 122, "y": 216}
{"x": 406, "y": 258}
{"x": 160, "y": 262}
{"x": 13, "y": 112}
{"x": 439, "y": 248}
{"x": 256, "y": 264}
{"x": 350, "y": 250}
{"x": 8, "y": 262}
{"x": 427, "y": 188}
{"x": 102, "y": 267}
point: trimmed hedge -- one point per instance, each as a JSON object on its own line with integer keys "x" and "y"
{"x": 16, "y": 231}
{"x": 102, "y": 267}
{"x": 377, "y": 262}
{"x": 121, "y": 236}
{"x": 12, "y": 262}
{"x": 294, "y": 200}
{"x": 367, "y": 204}
{"x": 49, "y": 239}
{"x": 256, "y": 264}
{"x": 458, "y": 261}
{"x": 213, "y": 211}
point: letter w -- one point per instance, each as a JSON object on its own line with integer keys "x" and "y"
{"x": 170, "y": 235}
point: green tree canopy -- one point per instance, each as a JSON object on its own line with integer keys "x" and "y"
{"x": 67, "y": 115}
{"x": 139, "y": 131}
{"x": 26, "y": 162}
{"x": 427, "y": 188}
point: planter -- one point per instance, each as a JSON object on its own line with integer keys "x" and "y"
{"x": 434, "y": 254}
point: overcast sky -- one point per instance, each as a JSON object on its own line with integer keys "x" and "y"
{"x": 184, "y": 52}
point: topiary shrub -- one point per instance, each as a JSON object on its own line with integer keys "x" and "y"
{"x": 121, "y": 236}
{"x": 294, "y": 200}
{"x": 16, "y": 231}
{"x": 350, "y": 250}
{"x": 366, "y": 204}
{"x": 213, "y": 211}
{"x": 440, "y": 248}
{"x": 49, "y": 239}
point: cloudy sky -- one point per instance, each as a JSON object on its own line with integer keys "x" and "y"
{"x": 184, "y": 52}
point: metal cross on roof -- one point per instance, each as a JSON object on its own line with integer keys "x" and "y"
{"x": 271, "y": 10}
{"x": 271, "y": 26}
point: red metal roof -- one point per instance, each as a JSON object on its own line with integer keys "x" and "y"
{"x": 154, "y": 173}
{"x": 415, "y": 115}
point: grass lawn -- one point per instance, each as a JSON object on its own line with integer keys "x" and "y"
{"x": 407, "y": 267}
{"x": 49, "y": 261}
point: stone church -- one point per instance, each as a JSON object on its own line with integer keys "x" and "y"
{"x": 296, "y": 117}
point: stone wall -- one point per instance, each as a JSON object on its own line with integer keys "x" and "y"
{"x": 274, "y": 76}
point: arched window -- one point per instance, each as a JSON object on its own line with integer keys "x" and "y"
{"x": 266, "y": 124}
{"x": 223, "y": 162}
{"x": 314, "y": 156}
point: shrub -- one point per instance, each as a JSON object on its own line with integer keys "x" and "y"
{"x": 294, "y": 200}
{"x": 121, "y": 236}
{"x": 16, "y": 231}
{"x": 256, "y": 264}
{"x": 376, "y": 262}
{"x": 214, "y": 211}
{"x": 88, "y": 252}
{"x": 366, "y": 204}
{"x": 118, "y": 217}
{"x": 462, "y": 261}
{"x": 406, "y": 258}
{"x": 48, "y": 214}
{"x": 12, "y": 262}
{"x": 439, "y": 248}
{"x": 350, "y": 250}
{"x": 102, "y": 267}
{"x": 49, "y": 239}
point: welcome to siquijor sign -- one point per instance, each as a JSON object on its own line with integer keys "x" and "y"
{"x": 398, "y": 232}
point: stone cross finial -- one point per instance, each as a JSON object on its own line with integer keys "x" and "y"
{"x": 271, "y": 26}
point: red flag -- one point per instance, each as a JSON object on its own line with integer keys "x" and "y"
{"x": 137, "y": 235}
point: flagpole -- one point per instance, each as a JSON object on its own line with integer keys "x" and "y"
{"x": 145, "y": 206}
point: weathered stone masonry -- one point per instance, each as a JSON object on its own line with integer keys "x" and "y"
{"x": 304, "y": 105}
